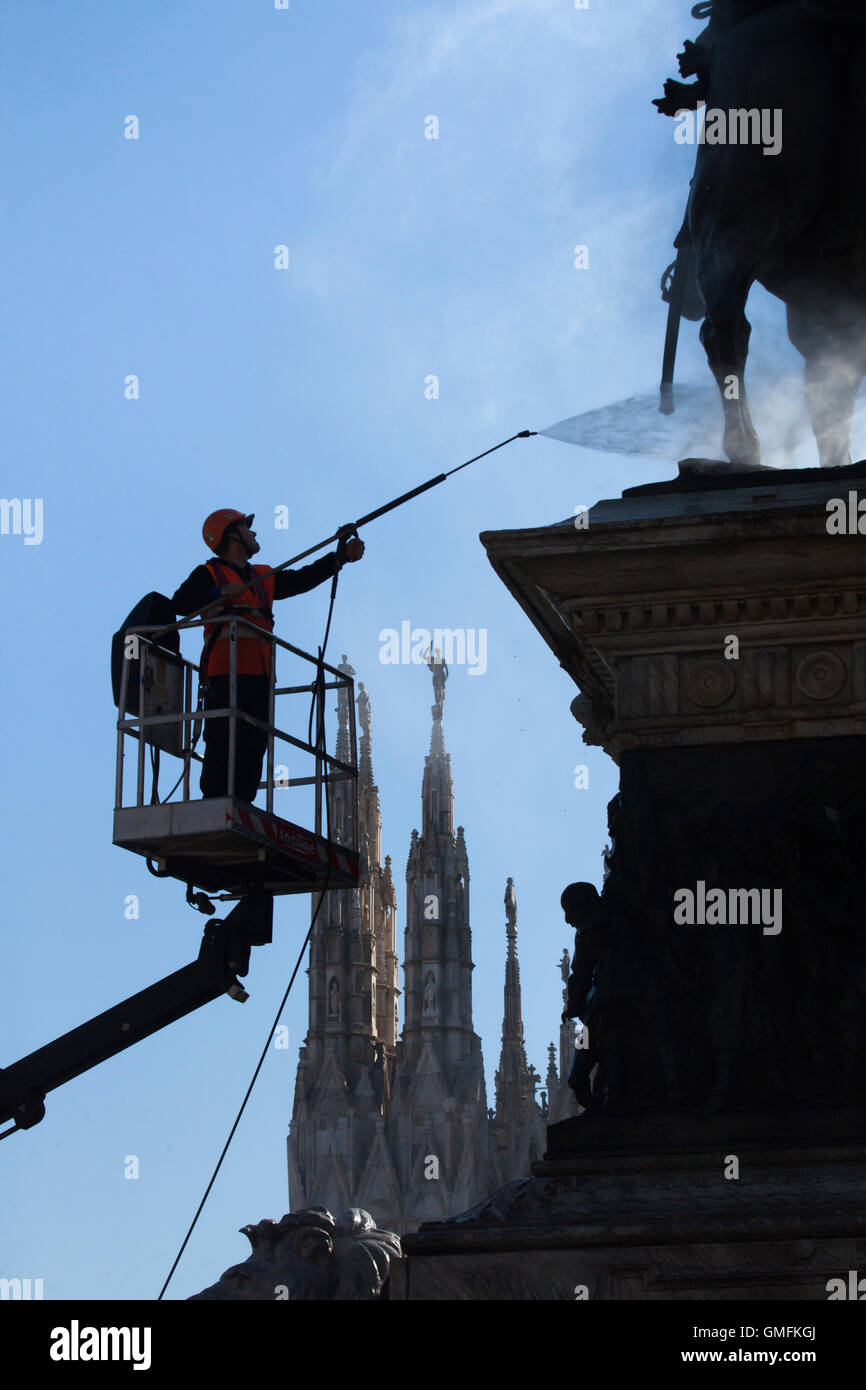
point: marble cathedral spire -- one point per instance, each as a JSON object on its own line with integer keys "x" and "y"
{"x": 517, "y": 1130}
{"x": 437, "y": 788}
{"x": 561, "y": 1101}
{"x": 512, "y": 1022}
{"x": 380, "y": 909}
{"x": 401, "y": 1128}
{"x": 552, "y": 1081}
{"x": 439, "y": 1102}
{"x": 438, "y": 946}
{"x": 345, "y": 1065}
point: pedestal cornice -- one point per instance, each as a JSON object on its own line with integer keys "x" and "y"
{"x": 639, "y": 602}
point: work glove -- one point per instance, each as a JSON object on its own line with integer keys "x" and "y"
{"x": 349, "y": 545}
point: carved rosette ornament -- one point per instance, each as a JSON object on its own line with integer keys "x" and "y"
{"x": 821, "y": 676}
{"x": 710, "y": 683}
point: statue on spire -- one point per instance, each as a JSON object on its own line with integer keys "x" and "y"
{"x": 364, "y": 709}
{"x": 510, "y": 907}
{"x": 439, "y": 669}
{"x": 347, "y": 669}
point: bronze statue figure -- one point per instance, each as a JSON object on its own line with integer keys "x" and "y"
{"x": 778, "y": 197}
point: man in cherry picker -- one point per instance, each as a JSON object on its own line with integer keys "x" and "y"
{"x": 251, "y": 590}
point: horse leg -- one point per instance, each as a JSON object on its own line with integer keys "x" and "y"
{"x": 831, "y": 388}
{"x": 725, "y": 336}
{"x": 833, "y": 372}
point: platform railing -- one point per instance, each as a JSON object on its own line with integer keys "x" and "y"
{"x": 177, "y": 729}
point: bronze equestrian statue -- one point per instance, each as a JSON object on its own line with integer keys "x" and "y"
{"x": 790, "y": 217}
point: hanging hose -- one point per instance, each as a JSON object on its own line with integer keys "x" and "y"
{"x": 319, "y": 687}
{"x": 157, "y": 873}
{"x": 320, "y": 745}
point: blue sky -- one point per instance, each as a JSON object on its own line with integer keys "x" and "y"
{"x": 305, "y": 388}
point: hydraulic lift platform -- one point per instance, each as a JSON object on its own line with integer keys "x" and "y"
{"x": 223, "y": 844}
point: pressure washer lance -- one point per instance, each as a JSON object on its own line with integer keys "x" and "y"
{"x": 343, "y": 533}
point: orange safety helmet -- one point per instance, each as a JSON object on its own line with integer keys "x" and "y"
{"x": 217, "y": 524}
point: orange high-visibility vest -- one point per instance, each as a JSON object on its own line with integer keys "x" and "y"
{"x": 254, "y": 655}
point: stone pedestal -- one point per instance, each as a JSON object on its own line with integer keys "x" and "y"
{"x": 716, "y": 629}
{"x": 661, "y": 1208}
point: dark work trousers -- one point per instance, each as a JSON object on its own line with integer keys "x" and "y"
{"x": 251, "y": 744}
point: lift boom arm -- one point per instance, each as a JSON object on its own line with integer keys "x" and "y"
{"x": 225, "y": 952}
